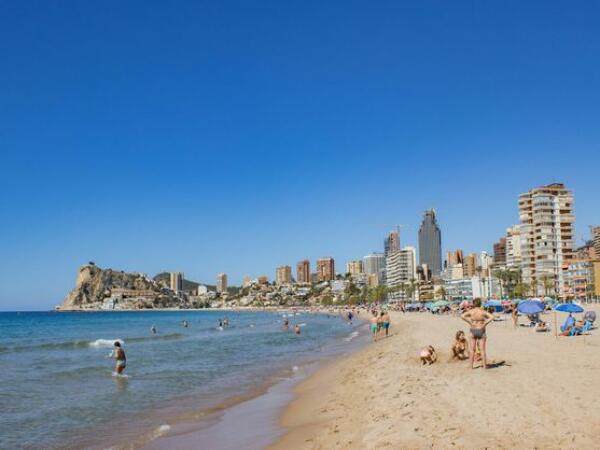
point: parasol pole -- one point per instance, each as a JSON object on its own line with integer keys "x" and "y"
{"x": 555, "y": 326}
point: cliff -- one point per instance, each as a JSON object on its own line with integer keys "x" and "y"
{"x": 94, "y": 285}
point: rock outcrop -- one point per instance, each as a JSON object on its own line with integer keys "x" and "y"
{"x": 94, "y": 285}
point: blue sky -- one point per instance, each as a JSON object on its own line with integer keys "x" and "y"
{"x": 236, "y": 136}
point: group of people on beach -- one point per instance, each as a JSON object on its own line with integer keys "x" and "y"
{"x": 478, "y": 319}
{"x": 380, "y": 324}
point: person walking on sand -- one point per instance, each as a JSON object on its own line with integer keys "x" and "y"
{"x": 515, "y": 316}
{"x": 478, "y": 319}
{"x": 374, "y": 327}
{"x": 386, "y": 322}
{"x": 119, "y": 355}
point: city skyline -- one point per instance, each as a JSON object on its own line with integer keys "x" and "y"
{"x": 240, "y": 137}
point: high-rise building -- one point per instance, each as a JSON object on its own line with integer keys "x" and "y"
{"x": 546, "y": 215}
{"x": 325, "y": 269}
{"x": 222, "y": 283}
{"x": 596, "y": 239}
{"x": 500, "y": 252}
{"x": 374, "y": 264}
{"x": 430, "y": 243}
{"x": 391, "y": 243}
{"x": 455, "y": 257}
{"x": 354, "y": 268}
{"x": 283, "y": 275}
{"x": 470, "y": 265}
{"x": 513, "y": 246}
{"x": 484, "y": 263}
{"x": 303, "y": 271}
{"x": 247, "y": 281}
{"x": 401, "y": 267}
{"x": 176, "y": 281}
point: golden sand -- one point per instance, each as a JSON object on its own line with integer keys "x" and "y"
{"x": 546, "y": 394}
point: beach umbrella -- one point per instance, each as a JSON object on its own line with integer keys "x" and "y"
{"x": 441, "y": 304}
{"x": 492, "y": 303}
{"x": 569, "y": 308}
{"x": 531, "y": 307}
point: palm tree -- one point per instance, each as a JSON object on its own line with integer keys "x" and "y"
{"x": 548, "y": 283}
{"x": 412, "y": 286}
{"x": 442, "y": 292}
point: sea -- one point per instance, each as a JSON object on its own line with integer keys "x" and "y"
{"x": 58, "y": 388}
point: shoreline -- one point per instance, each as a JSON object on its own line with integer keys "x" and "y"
{"x": 256, "y": 411}
{"x": 541, "y": 393}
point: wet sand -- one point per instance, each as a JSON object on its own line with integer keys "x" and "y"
{"x": 544, "y": 394}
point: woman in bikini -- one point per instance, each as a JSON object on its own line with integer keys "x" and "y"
{"x": 478, "y": 318}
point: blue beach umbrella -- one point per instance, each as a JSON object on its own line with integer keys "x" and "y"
{"x": 569, "y": 308}
{"x": 531, "y": 307}
{"x": 492, "y": 303}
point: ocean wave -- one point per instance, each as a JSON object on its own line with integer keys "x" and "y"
{"x": 101, "y": 343}
{"x": 98, "y": 343}
{"x": 351, "y": 336}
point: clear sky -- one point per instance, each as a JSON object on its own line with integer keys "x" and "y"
{"x": 237, "y": 136}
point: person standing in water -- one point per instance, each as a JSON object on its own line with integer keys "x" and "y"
{"x": 374, "y": 327}
{"x": 478, "y": 318}
{"x": 297, "y": 329}
{"x": 119, "y": 355}
{"x": 153, "y": 329}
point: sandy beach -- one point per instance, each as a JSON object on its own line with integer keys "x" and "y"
{"x": 542, "y": 394}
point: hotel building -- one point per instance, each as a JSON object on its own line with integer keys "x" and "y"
{"x": 546, "y": 215}
{"x": 221, "y": 283}
{"x": 325, "y": 269}
{"x": 283, "y": 275}
{"x": 303, "y": 272}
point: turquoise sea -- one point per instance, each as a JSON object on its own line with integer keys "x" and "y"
{"x": 58, "y": 390}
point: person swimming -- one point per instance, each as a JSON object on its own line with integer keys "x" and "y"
{"x": 153, "y": 329}
{"x": 297, "y": 329}
{"x": 119, "y": 355}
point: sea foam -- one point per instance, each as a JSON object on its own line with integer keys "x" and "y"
{"x": 99, "y": 343}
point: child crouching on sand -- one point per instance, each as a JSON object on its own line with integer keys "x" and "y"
{"x": 428, "y": 355}
{"x": 460, "y": 347}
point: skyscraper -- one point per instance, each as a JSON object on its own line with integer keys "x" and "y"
{"x": 354, "y": 268}
{"x": 430, "y": 243}
{"x": 401, "y": 267}
{"x": 470, "y": 265}
{"x": 391, "y": 243}
{"x": 513, "y": 246}
{"x": 596, "y": 238}
{"x": 176, "y": 281}
{"x": 546, "y": 215}
{"x": 455, "y": 257}
{"x": 283, "y": 275}
{"x": 222, "y": 282}
{"x": 374, "y": 264}
{"x": 325, "y": 269}
{"x": 500, "y": 252}
{"x": 303, "y": 271}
